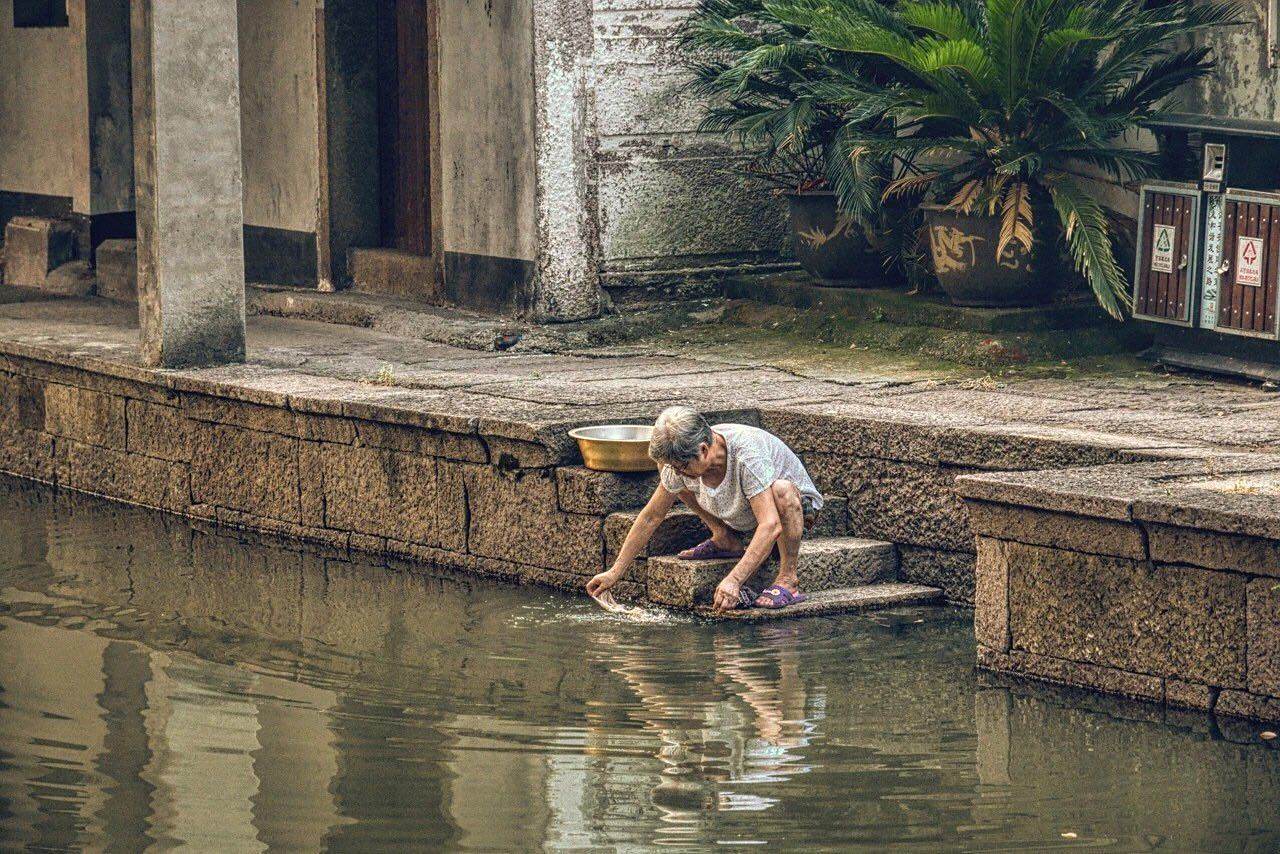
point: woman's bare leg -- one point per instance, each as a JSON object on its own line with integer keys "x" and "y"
{"x": 791, "y": 514}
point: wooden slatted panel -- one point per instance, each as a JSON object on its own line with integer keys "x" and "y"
{"x": 1165, "y": 295}
{"x": 1250, "y": 308}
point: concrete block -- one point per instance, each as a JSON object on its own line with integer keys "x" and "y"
{"x": 1058, "y": 530}
{"x": 245, "y": 470}
{"x": 600, "y": 493}
{"x": 902, "y": 502}
{"x": 127, "y": 477}
{"x": 87, "y": 416}
{"x": 157, "y": 431}
{"x": 1242, "y": 704}
{"x": 35, "y": 246}
{"x": 991, "y": 595}
{"x": 387, "y": 493}
{"x": 117, "y": 270}
{"x": 680, "y": 530}
{"x": 391, "y": 272}
{"x": 1264, "y": 636}
{"x": 1213, "y": 549}
{"x": 950, "y": 570}
{"x": 460, "y": 447}
{"x": 72, "y": 279}
{"x": 1175, "y": 621}
{"x": 514, "y": 517}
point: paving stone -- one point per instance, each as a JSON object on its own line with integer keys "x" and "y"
{"x": 1264, "y": 636}
{"x": 514, "y": 516}
{"x": 991, "y": 595}
{"x": 246, "y": 470}
{"x": 127, "y": 477}
{"x": 1166, "y": 621}
{"x": 600, "y": 493}
{"x": 86, "y": 416}
{"x": 390, "y": 494}
{"x": 950, "y": 570}
{"x": 157, "y": 431}
{"x": 1059, "y": 530}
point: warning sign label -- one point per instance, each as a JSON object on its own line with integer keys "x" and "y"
{"x": 1249, "y": 261}
{"x": 1163, "y": 239}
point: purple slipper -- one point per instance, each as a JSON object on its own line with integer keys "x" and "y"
{"x": 707, "y": 550}
{"x": 781, "y": 597}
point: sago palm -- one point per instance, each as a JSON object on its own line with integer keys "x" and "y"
{"x": 782, "y": 94}
{"x": 1002, "y": 106}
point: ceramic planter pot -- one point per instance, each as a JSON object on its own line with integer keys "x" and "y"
{"x": 830, "y": 246}
{"x": 963, "y": 248}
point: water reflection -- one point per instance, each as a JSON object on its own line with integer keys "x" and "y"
{"x": 166, "y": 685}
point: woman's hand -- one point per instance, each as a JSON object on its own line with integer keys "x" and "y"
{"x": 726, "y": 598}
{"x": 601, "y": 582}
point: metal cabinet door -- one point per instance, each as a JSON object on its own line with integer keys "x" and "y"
{"x": 1168, "y": 253}
{"x": 1247, "y": 279}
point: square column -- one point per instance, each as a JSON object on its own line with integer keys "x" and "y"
{"x": 188, "y": 181}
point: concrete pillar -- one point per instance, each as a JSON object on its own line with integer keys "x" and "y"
{"x": 565, "y": 127}
{"x": 188, "y": 181}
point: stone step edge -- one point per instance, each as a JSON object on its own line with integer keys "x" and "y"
{"x": 807, "y": 546}
{"x": 843, "y": 600}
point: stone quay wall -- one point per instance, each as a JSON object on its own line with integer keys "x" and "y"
{"x": 340, "y": 465}
{"x": 1159, "y": 582}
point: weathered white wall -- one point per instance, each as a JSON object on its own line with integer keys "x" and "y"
{"x": 669, "y": 197}
{"x": 1242, "y": 86}
{"x": 486, "y": 127}
{"x": 44, "y": 116}
{"x": 278, "y": 102}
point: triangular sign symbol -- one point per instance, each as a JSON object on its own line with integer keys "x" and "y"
{"x": 1163, "y": 242}
{"x": 1250, "y": 252}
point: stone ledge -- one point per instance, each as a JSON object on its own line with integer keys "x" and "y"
{"x": 1067, "y": 531}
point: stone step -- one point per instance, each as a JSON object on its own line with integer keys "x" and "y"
{"x": 681, "y": 529}
{"x": 843, "y": 600}
{"x": 826, "y": 563}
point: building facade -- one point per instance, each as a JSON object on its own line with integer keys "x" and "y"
{"x": 507, "y": 155}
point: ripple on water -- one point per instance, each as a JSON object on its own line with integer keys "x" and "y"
{"x": 164, "y": 685}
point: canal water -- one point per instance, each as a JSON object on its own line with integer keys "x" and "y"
{"x": 162, "y": 684}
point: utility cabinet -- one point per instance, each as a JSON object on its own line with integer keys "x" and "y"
{"x": 1207, "y": 262}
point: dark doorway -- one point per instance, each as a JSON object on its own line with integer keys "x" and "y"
{"x": 403, "y": 132}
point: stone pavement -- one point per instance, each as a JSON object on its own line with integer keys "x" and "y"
{"x": 539, "y": 391}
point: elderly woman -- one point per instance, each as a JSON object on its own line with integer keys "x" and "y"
{"x": 745, "y": 484}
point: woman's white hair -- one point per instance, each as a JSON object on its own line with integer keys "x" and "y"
{"x": 678, "y": 435}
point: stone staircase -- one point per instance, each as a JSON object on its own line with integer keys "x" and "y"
{"x": 839, "y": 573}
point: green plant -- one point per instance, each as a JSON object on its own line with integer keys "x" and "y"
{"x": 783, "y": 95}
{"x": 998, "y": 106}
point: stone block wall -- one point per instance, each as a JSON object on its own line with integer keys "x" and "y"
{"x": 487, "y": 504}
{"x": 899, "y": 478}
{"x": 1133, "y": 584}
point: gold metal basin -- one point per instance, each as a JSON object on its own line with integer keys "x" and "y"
{"x": 615, "y": 447}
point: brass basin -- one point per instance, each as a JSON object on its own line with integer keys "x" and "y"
{"x": 615, "y": 447}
